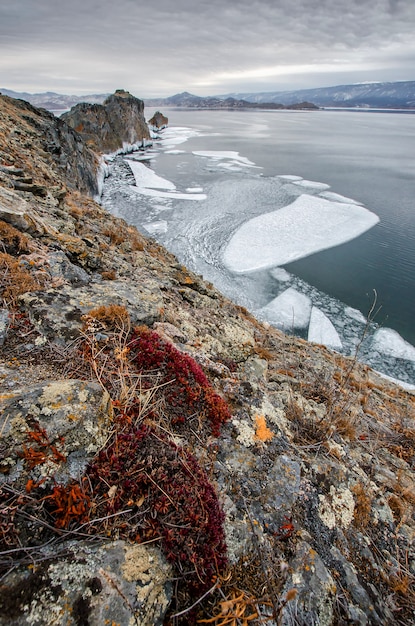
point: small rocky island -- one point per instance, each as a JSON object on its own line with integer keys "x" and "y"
{"x": 165, "y": 458}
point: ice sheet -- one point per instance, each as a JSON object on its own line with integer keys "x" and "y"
{"x": 308, "y": 225}
{"x": 311, "y": 184}
{"x": 224, "y": 154}
{"x": 174, "y": 135}
{"x": 156, "y": 193}
{"x": 155, "y": 228}
{"x": 336, "y": 197}
{"x": 291, "y": 309}
{"x": 355, "y": 314}
{"x": 290, "y": 177}
{"x": 145, "y": 177}
{"x": 279, "y": 273}
{"x": 149, "y": 184}
{"x": 322, "y": 331}
{"x": 390, "y": 342}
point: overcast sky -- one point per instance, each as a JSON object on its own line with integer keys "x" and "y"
{"x": 208, "y": 47}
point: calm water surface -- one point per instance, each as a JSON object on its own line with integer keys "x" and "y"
{"x": 367, "y": 156}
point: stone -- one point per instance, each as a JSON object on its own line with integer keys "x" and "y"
{"x": 75, "y": 416}
{"x": 4, "y": 324}
{"x": 85, "y": 583}
{"x": 57, "y": 313}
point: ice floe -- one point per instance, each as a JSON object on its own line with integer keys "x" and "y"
{"x": 336, "y": 197}
{"x": 355, "y": 314}
{"x": 174, "y": 135}
{"x": 219, "y": 155}
{"x": 311, "y": 184}
{"x": 146, "y": 177}
{"x": 390, "y": 342}
{"x": 290, "y": 177}
{"x": 148, "y": 183}
{"x": 322, "y": 331}
{"x": 155, "y": 228}
{"x": 291, "y": 309}
{"x": 280, "y": 274}
{"x": 307, "y": 225}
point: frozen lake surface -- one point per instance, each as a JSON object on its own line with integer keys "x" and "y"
{"x": 287, "y": 222}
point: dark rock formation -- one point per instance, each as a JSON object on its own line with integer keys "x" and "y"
{"x": 69, "y": 159}
{"x": 158, "y": 121}
{"x": 109, "y": 126}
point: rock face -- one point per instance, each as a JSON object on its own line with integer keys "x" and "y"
{"x": 309, "y": 471}
{"x": 46, "y": 138}
{"x": 158, "y": 121}
{"x": 109, "y": 126}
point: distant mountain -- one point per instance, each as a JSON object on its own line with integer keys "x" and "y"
{"x": 190, "y": 101}
{"x": 53, "y": 101}
{"x": 366, "y": 95}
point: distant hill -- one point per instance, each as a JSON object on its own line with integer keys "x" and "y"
{"x": 366, "y": 95}
{"x": 53, "y": 101}
{"x": 190, "y": 101}
{"x": 362, "y": 95}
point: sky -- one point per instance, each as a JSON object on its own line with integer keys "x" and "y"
{"x": 157, "y": 48}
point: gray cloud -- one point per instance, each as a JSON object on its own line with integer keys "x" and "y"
{"x": 213, "y": 46}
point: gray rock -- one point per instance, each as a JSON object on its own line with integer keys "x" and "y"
{"x": 315, "y": 589}
{"x": 75, "y": 416}
{"x": 4, "y": 325}
{"x": 57, "y": 313}
{"x": 112, "y": 583}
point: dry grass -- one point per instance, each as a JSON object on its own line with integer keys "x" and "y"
{"x": 15, "y": 279}
{"x": 13, "y": 241}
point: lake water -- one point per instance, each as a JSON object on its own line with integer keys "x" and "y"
{"x": 246, "y": 199}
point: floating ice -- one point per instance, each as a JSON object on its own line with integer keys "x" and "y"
{"x": 174, "y": 135}
{"x": 355, "y": 314}
{"x": 290, "y": 177}
{"x": 194, "y": 189}
{"x": 336, "y": 197}
{"x": 145, "y": 177}
{"x": 311, "y": 184}
{"x": 156, "y": 193}
{"x": 279, "y": 273}
{"x": 291, "y": 309}
{"x": 308, "y": 225}
{"x": 149, "y": 184}
{"x": 175, "y": 152}
{"x": 322, "y": 331}
{"x": 156, "y": 227}
{"x": 223, "y": 154}
{"x": 390, "y": 342}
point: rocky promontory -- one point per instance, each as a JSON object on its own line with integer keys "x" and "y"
{"x": 109, "y": 126}
{"x": 165, "y": 458}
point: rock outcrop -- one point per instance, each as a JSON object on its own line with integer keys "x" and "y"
{"x": 40, "y": 153}
{"x": 146, "y": 419}
{"x": 107, "y": 127}
{"x": 158, "y": 121}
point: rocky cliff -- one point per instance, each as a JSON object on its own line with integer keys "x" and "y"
{"x": 164, "y": 457}
{"x": 107, "y": 127}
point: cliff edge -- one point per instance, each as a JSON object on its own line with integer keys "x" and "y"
{"x": 107, "y": 127}
{"x": 164, "y": 457}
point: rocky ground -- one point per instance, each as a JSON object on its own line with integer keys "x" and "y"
{"x": 164, "y": 457}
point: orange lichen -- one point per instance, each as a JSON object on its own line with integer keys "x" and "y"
{"x": 262, "y": 432}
